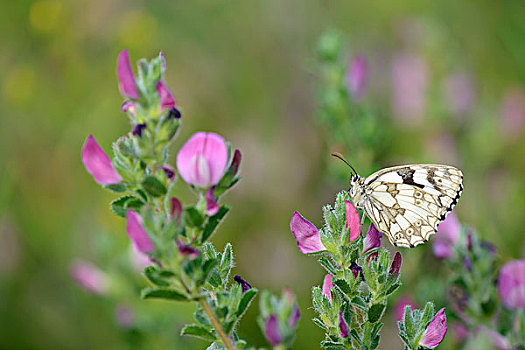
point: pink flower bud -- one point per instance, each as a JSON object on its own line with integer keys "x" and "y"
{"x": 357, "y": 77}
{"x": 245, "y": 286}
{"x": 98, "y": 164}
{"x": 89, "y": 277}
{"x": 327, "y": 286}
{"x": 342, "y": 325}
{"x": 137, "y": 234}
{"x": 306, "y": 234}
{"x": 203, "y": 159}
{"x": 396, "y": 264}
{"x": 236, "y": 162}
{"x": 372, "y": 239}
{"x": 176, "y": 208}
{"x": 435, "y": 331}
{"x": 272, "y": 332}
{"x": 511, "y": 284}
{"x": 166, "y": 99}
{"x": 129, "y": 107}
{"x": 187, "y": 250}
{"x": 352, "y": 221}
{"x": 126, "y": 81}
{"x": 212, "y": 207}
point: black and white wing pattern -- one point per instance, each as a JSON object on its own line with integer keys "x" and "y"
{"x": 407, "y": 203}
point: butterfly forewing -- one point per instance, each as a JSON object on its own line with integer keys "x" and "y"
{"x": 407, "y": 203}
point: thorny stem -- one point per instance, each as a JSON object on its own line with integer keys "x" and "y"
{"x": 215, "y": 322}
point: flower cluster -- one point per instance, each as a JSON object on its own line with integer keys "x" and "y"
{"x": 181, "y": 263}
{"x": 477, "y": 292}
{"x": 361, "y": 277}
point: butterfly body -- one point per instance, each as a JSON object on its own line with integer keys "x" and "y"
{"x": 408, "y": 202}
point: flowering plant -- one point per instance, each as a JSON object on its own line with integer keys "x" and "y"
{"x": 361, "y": 278}
{"x": 182, "y": 265}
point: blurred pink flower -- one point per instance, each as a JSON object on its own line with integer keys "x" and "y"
{"x": 327, "y": 286}
{"x": 98, "y": 164}
{"x": 306, "y": 234}
{"x": 126, "y": 81}
{"x": 124, "y": 316}
{"x": 409, "y": 85}
{"x": 513, "y": 113}
{"x": 166, "y": 99}
{"x": 272, "y": 332}
{"x": 447, "y": 237}
{"x": 435, "y": 331}
{"x": 497, "y": 340}
{"x": 399, "y": 308}
{"x": 357, "y": 77}
{"x": 89, "y": 277}
{"x": 137, "y": 234}
{"x": 460, "y": 94}
{"x": 129, "y": 107}
{"x": 187, "y": 250}
{"x": 203, "y": 159}
{"x": 460, "y": 331}
{"x": 352, "y": 221}
{"x": 372, "y": 239}
{"x": 511, "y": 284}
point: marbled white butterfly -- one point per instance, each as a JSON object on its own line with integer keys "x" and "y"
{"x": 407, "y": 202}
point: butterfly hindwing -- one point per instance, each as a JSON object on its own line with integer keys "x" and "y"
{"x": 407, "y": 203}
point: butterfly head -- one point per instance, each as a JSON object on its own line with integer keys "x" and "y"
{"x": 357, "y": 190}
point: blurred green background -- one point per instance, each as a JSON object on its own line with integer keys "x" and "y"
{"x": 247, "y": 70}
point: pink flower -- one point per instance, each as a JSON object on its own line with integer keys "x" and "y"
{"x": 459, "y": 93}
{"x": 176, "y": 208}
{"x": 327, "y": 286}
{"x": 126, "y": 81}
{"x": 511, "y": 284}
{"x": 137, "y": 234}
{"x": 396, "y": 264}
{"x": 409, "y": 84}
{"x": 203, "y": 159}
{"x": 447, "y": 237}
{"x": 435, "y": 331}
{"x": 89, "y": 277}
{"x": 352, "y": 221}
{"x": 306, "y": 234}
{"x": 357, "y": 77}
{"x": 129, "y": 107}
{"x": 372, "y": 239}
{"x": 124, "y": 316}
{"x": 166, "y": 99}
{"x": 139, "y": 260}
{"x": 98, "y": 164}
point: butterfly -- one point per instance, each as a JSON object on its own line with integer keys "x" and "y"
{"x": 407, "y": 202}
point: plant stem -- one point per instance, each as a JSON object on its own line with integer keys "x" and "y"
{"x": 215, "y": 322}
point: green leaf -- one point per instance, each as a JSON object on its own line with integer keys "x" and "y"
{"x": 153, "y": 186}
{"x": 246, "y": 300}
{"x": 119, "y": 188}
{"x": 376, "y": 312}
{"x": 343, "y": 285}
{"x": 207, "y": 268}
{"x": 155, "y": 276}
{"x": 393, "y": 288}
{"x": 327, "y": 264}
{"x": 192, "y": 217}
{"x": 320, "y": 323}
{"x": 213, "y": 222}
{"x": 359, "y": 303}
{"x": 163, "y": 293}
{"x": 226, "y": 261}
{"x": 121, "y": 205}
{"x": 198, "y": 331}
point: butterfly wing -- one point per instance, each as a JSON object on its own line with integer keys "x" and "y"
{"x": 407, "y": 203}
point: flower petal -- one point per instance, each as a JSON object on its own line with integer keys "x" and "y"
{"x": 272, "y": 332}
{"x": 435, "y": 331}
{"x": 352, "y": 221}
{"x": 327, "y": 286}
{"x": 212, "y": 207}
{"x": 357, "y": 77}
{"x": 176, "y": 208}
{"x": 244, "y": 285}
{"x": 511, "y": 284}
{"x": 372, "y": 239}
{"x": 306, "y": 234}
{"x": 342, "y": 325}
{"x": 98, "y": 164}
{"x": 203, "y": 159}
{"x": 166, "y": 99}
{"x": 126, "y": 81}
{"x": 137, "y": 234}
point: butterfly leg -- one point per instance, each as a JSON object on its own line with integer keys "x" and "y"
{"x": 363, "y": 219}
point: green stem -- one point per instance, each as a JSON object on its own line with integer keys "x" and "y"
{"x": 216, "y": 324}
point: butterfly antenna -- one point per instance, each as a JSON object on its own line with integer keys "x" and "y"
{"x": 339, "y": 156}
